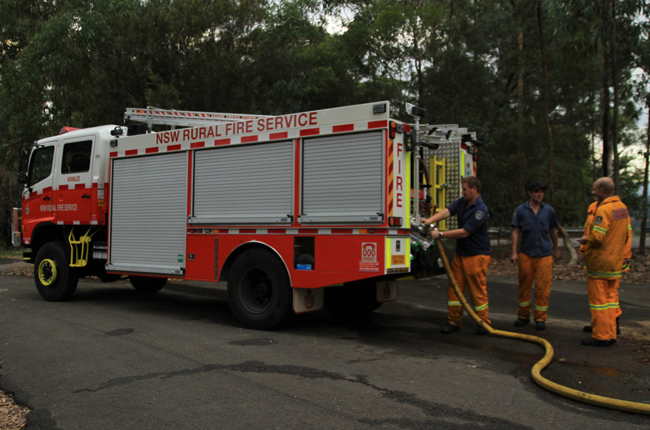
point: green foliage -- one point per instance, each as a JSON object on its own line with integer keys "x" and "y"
{"x": 80, "y": 63}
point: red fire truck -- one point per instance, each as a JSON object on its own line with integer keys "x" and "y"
{"x": 295, "y": 212}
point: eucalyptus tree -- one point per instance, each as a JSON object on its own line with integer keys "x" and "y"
{"x": 642, "y": 60}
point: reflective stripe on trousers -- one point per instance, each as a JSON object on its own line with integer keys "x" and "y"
{"x": 539, "y": 269}
{"x": 603, "y": 303}
{"x": 469, "y": 272}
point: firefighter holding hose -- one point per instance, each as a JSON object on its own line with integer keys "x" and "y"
{"x": 472, "y": 257}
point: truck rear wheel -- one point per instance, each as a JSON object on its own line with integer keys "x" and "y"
{"x": 55, "y": 280}
{"x": 353, "y": 299}
{"x": 147, "y": 284}
{"x": 259, "y": 292}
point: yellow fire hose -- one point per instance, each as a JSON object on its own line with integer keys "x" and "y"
{"x": 536, "y": 372}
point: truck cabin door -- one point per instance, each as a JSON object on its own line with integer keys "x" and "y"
{"x": 73, "y": 180}
{"x": 37, "y": 195}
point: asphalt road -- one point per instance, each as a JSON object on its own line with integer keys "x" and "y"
{"x": 112, "y": 358}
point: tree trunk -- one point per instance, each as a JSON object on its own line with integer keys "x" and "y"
{"x": 567, "y": 244}
{"x": 644, "y": 201}
{"x": 592, "y": 128}
{"x": 521, "y": 157}
{"x": 549, "y": 129}
{"x": 418, "y": 65}
{"x": 605, "y": 101}
{"x": 616, "y": 166}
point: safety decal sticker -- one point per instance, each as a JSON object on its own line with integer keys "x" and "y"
{"x": 619, "y": 214}
{"x": 599, "y": 219}
{"x": 369, "y": 261}
{"x": 479, "y": 215}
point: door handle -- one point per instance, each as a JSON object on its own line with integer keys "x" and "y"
{"x": 85, "y": 196}
{"x": 46, "y": 198}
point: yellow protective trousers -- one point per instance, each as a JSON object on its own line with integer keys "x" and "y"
{"x": 469, "y": 272}
{"x": 603, "y": 303}
{"x": 539, "y": 269}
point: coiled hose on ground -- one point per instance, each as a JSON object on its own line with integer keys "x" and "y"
{"x": 536, "y": 372}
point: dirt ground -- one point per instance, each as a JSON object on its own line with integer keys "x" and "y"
{"x": 13, "y": 416}
{"x": 639, "y": 269}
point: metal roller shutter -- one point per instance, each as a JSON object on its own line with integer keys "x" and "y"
{"x": 148, "y": 210}
{"x": 249, "y": 184}
{"x": 342, "y": 178}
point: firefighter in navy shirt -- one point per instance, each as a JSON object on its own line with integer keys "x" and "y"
{"x": 472, "y": 258}
{"x": 535, "y": 223}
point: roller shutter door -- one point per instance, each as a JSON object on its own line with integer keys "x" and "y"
{"x": 148, "y": 211}
{"x": 244, "y": 184}
{"x": 342, "y": 179}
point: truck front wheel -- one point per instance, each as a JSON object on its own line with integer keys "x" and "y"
{"x": 259, "y": 292}
{"x": 55, "y": 280}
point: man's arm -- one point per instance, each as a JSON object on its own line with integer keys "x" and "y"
{"x": 515, "y": 242}
{"x": 459, "y": 233}
{"x": 628, "y": 244}
{"x": 556, "y": 252}
{"x": 599, "y": 230}
{"x": 586, "y": 231}
{"x": 443, "y": 214}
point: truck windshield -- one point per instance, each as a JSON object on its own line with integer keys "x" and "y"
{"x": 41, "y": 165}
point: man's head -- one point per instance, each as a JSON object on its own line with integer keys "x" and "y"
{"x": 536, "y": 192}
{"x": 603, "y": 188}
{"x": 471, "y": 186}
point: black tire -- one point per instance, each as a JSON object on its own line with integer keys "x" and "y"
{"x": 354, "y": 299}
{"x": 259, "y": 291}
{"x": 147, "y": 284}
{"x": 55, "y": 280}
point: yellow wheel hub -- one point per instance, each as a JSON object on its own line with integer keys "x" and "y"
{"x": 47, "y": 272}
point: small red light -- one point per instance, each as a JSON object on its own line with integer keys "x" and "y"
{"x": 392, "y": 130}
{"x": 395, "y": 221}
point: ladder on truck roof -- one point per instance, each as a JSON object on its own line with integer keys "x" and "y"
{"x": 445, "y": 133}
{"x": 152, "y": 115}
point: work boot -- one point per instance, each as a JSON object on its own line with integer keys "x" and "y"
{"x": 482, "y": 331}
{"x": 521, "y": 322}
{"x": 540, "y": 325}
{"x": 588, "y": 329}
{"x": 595, "y": 342}
{"x": 449, "y": 328}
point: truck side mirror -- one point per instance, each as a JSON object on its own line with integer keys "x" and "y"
{"x": 22, "y": 178}
{"x": 23, "y": 160}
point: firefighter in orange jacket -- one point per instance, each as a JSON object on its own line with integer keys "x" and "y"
{"x": 589, "y": 225}
{"x": 472, "y": 258}
{"x": 604, "y": 253}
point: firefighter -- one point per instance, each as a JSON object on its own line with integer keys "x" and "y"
{"x": 535, "y": 223}
{"x": 605, "y": 248}
{"x": 589, "y": 224}
{"x": 472, "y": 258}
